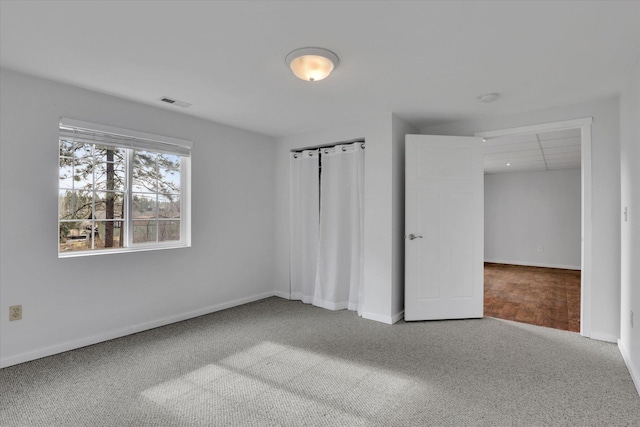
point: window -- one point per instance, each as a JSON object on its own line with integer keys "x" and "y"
{"x": 121, "y": 190}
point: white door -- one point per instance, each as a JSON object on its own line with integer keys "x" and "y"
{"x": 444, "y": 227}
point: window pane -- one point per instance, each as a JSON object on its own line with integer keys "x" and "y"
{"x": 110, "y": 176}
{"x": 109, "y": 154}
{"x": 83, "y": 174}
{"x": 168, "y": 206}
{"x": 169, "y": 173}
{"x": 74, "y": 204}
{"x": 66, "y": 173}
{"x": 144, "y": 206}
{"x": 109, "y": 205}
{"x": 73, "y": 237}
{"x": 66, "y": 148}
{"x": 145, "y": 230}
{"x": 145, "y": 172}
{"x": 108, "y": 234}
{"x": 83, "y": 150}
{"x": 169, "y": 230}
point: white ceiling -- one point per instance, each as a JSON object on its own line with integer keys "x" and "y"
{"x": 425, "y": 61}
{"x": 536, "y": 152}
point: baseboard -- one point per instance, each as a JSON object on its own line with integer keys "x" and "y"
{"x": 298, "y": 296}
{"x": 635, "y": 374}
{"x": 603, "y": 337}
{"x": 72, "y": 345}
{"x": 535, "y": 264}
{"x": 281, "y": 294}
{"x": 397, "y": 317}
{"x": 380, "y": 317}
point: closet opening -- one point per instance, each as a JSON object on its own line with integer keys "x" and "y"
{"x": 327, "y": 225}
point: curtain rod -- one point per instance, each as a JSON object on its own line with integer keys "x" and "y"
{"x": 326, "y": 149}
{"x": 319, "y": 147}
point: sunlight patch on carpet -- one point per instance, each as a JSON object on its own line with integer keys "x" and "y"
{"x": 282, "y": 383}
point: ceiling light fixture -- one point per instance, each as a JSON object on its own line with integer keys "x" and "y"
{"x": 489, "y": 97}
{"x": 312, "y": 63}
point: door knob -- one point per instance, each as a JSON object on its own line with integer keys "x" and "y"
{"x": 413, "y": 236}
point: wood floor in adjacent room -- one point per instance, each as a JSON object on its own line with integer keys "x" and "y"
{"x": 539, "y": 296}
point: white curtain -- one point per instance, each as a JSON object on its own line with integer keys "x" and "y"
{"x": 305, "y": 212}
{"x": 339, "y": 273}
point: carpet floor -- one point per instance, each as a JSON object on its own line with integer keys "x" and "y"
{"x": 277, "y": 362}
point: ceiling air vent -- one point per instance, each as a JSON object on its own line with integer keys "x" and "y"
{"x": 175, "y": 102}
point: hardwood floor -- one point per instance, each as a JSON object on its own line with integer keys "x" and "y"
{"x": 535, "y": 295}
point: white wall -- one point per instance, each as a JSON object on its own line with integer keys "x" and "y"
{"x": 605, "y": 289}
{"x": 525, "y": 210}
{"x": 630, "y": 229}
{"x": 72, "y": 302}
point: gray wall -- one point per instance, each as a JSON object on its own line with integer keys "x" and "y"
{"x": 68, "y": 303}
{"x": 604, "y": 298}
{"x": 526, "y": 210}
{"x": 399, "y": 130}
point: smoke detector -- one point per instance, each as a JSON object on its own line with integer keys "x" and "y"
{"x": 489, "y": 97}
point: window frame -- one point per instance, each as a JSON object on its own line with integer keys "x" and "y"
{"x": 185, "y": 188}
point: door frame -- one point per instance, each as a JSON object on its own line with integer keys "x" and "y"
{"x": 584, "y": 124}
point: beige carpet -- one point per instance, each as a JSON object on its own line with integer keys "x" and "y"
{"x": 276, "y": 362}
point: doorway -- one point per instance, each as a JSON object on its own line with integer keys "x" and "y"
{"x": 546, "y": 147}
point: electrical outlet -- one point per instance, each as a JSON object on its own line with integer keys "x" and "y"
{"x": 631, "y": 318}
{"x": 15, "y": 312}
{"x": 540, "y": 248}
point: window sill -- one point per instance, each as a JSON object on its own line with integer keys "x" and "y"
{"x": 141, "y": 248}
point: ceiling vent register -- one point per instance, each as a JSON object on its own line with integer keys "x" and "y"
{"x": 175, "y": 102}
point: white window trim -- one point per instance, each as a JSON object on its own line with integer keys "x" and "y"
{"x": 185, "y": 193}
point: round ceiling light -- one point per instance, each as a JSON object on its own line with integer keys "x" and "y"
{"x": 312, "y": 63}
